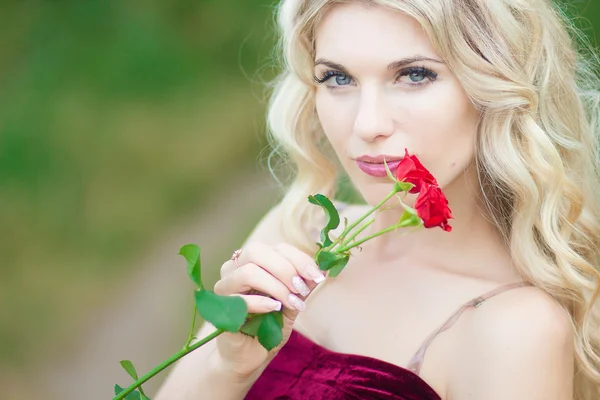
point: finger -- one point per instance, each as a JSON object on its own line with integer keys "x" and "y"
{"x": 304, "y": 264}
{"x": 252, "y": 277}
{"x": 228, "y": 267}
{"x": 260, "y": 304}
{"x": 277, "y": 265}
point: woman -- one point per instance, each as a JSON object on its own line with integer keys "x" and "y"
{"x": 496, "y": 102}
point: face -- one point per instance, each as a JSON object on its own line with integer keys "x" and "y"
{"x": 383, "y": 89}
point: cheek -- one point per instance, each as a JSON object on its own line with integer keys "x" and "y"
{"x": 334, "y": 119}
{"x": 444, "y": 130}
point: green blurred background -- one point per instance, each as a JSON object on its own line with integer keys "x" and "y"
{"x": 127, "y": 129}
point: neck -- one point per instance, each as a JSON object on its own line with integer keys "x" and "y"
{"x": 474, "y": 246}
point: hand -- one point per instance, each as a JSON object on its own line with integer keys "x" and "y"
{"x": 267, "y": 279}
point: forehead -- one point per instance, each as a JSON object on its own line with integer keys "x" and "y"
{"x": 357, "y": 31}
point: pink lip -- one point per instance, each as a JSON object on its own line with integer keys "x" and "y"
{"x": 374, "y": 166}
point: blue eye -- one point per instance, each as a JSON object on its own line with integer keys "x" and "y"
{"x": 341, "y": 79}
{"x": 417, "y": 76}
{"x": 411, "y": 76}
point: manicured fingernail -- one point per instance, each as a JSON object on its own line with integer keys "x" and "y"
{"x": 315, "y": 273}
{"x": 273, "y": 304}
{"x": 299, "y": 285}
{"x": 296, "y": 302}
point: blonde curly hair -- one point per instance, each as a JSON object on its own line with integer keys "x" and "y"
{"x": 531, "y": 74}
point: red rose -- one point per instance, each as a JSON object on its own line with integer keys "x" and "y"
{"x": 432, "y": 207}
{"x": 412, "y": 171}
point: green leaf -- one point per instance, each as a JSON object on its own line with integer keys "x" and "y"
{"x": 224, "y": 312}
{"x": 338, "y": 266}
{"x": 326, "y": 260}
{"x": 191, "y": 252}
{"x": 402, "y": 186}
{"x": 128, "y": 366}
{"x": 144, "y": 397}
{"x": 130, "y": 369}
{"x": 269, "y": 331}
{"x": 279, "y": 317}
{"x": 332, "y": 262}
{"x": 333, "y": 217}
{"x": 409, "y": 219}
{"x": 251, "y": 327}
{"x": 135, "y": 395}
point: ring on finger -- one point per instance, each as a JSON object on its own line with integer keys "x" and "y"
{"x": 235, "y": 256}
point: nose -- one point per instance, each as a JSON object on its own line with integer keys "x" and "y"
{"x": 373, "y": 120}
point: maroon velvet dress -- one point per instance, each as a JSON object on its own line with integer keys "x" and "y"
{"x": 304, "y": 370}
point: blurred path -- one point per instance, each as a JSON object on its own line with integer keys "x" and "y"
{"x": 147, "y": 318}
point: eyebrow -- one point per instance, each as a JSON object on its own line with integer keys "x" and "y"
{"x": 391, "y": 66}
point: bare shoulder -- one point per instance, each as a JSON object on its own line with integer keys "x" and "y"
{"x": 268, "y": 229}
{"x": 517, "y": 345}
{"x": 526, "y": 305}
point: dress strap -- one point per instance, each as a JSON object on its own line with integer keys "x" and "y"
{"x": 417, "y": 360}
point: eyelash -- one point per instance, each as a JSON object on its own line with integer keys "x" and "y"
{"x": 429, "y": 76}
